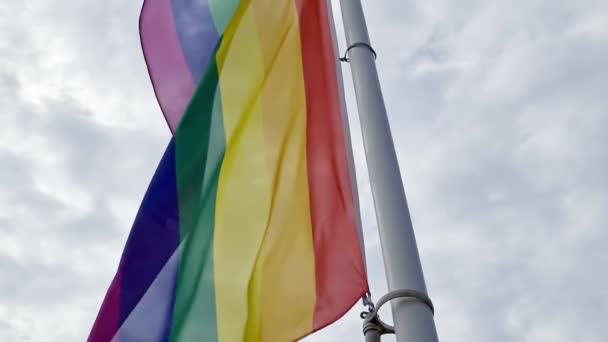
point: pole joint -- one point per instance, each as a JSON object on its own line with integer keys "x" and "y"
{"x": 372, "y": 322}
{"x": 371, "y": 319}
{"x": 373, "y": 327}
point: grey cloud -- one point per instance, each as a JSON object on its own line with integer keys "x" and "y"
{"x": 93, "y": 227}
{"x": 19, "y": 190}
{"x": 36, "y": 284}
{"x": 4, "y": 326}
{"x": 498, "y": 115}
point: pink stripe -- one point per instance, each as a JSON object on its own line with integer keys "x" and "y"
{"x": 168, "y": 69}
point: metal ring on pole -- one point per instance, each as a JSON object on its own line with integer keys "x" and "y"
{"x": 406, "y": 294}
{"x": 386, "y": 328}
{"x": 369, "y": 47}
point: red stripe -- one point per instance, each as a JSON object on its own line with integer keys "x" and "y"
{"x": 340, "y": 274}
{"x": 108, "y": 319}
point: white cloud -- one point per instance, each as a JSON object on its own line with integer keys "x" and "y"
{"x": 498, "y": 113}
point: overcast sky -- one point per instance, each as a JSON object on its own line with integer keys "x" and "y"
{"x": 499, "y": 111}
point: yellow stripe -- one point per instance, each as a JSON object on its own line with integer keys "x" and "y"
{"x": 243, "y": 199}
{"x": 284, "y": 276}
{"x": 263, "y": 248}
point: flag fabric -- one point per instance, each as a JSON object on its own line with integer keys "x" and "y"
{"x": 249, "y": 229}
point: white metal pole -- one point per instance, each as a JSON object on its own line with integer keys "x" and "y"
{"x": 413, "y": 319}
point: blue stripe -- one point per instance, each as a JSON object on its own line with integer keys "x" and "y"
{"x": 154, "y": 235}
{"x": 197, "y": 33}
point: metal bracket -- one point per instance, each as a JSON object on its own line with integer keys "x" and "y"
{"x": 371, "y": 319}
{"x": 369, "y": 47}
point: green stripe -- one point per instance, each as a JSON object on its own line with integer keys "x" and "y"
{"x": 199, "y": 149}
{"x": 222, "y": 12}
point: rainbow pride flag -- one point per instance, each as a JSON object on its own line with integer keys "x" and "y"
{"x": 249, "y": 230}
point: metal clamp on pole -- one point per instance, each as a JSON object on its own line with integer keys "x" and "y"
{"x": 369, "y": 47}
{"x": 406, "y": 294}
{"x": 374, "y": 327}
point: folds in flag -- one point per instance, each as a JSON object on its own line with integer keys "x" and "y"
{"x": 249, "y": 230}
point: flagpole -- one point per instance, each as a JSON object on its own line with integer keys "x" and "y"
{"x": 411, "y": 307}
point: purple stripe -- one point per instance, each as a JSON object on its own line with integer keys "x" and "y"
{"x": 151, "y": 319}
{"x": 197, "y": 33}
{"x": 153, "y": 239}
{"x": 154, "y": 236}
{"x": 169, "y": 71}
